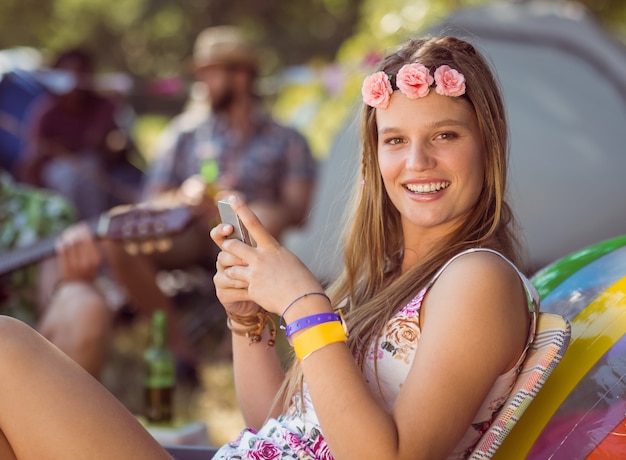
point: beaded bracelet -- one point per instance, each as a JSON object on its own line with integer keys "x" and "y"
{"x": 317, "y": 337}
{"x": 294, "y": 301}
{"x": 308, "y": 321}
{"x": 252, "y": 326}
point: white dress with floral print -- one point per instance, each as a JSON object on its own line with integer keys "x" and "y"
{"x": 298, "y": 435}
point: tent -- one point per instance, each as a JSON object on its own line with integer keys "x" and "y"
{"x": 564, "y": 84}
{"x": 18, "y": 91}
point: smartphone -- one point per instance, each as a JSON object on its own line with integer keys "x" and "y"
{"x": 228, "y": 216}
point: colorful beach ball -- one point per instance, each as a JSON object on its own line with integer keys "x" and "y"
{"x": 580, "y": 413}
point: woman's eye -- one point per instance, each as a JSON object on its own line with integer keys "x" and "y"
{"x": 393, "y": 141}
{"x": 447, "y": 136}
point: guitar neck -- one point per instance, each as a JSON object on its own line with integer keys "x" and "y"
{"x": 40, "y": 250}
{"x": 133, "y": 223}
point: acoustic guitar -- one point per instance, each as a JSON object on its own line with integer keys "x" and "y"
{"x": 140, "y": 228}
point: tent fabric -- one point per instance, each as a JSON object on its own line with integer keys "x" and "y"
{"x": 18, "y": 91}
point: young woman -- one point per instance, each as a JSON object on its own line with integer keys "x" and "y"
{"x": 437, "y": 315}
{"x": 438, "y": 321}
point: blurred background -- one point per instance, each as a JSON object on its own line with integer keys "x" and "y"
{"x": 314, "y": 51}
{"x": 314, "y": 56}
{"x": 562, "y": 66}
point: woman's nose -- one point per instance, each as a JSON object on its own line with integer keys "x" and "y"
{"x": 419, "y": 157}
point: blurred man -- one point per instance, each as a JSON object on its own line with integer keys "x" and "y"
{"x": 232, "y": 141}
{"x": 224, "y": 143}
{"x": 76, "y": 145}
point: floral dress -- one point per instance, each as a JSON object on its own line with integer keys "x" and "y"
{"x": 297, "y": 434}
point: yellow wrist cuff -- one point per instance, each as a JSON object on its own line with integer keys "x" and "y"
{"x": 316, "y": 337}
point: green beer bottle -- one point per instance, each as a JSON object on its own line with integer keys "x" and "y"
{"x": 160, "y": 374}
{"x": 209, "y": 171}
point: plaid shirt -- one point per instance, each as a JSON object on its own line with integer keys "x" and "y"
{"x": 256, "y": 167}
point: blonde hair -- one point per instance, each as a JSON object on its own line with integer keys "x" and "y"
{"x": 372, "y": 286}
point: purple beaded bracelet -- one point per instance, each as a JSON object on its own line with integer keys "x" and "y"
{"x": 312, "y": 320}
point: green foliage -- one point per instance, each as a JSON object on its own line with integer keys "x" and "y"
{"x": 154, "y": 38}
{"x": 146, "y": 131}
{"x": 611, "y": 14}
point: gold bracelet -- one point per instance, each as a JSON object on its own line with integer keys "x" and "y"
{"x": 252, "y": 326}
{"x": 316, "y": 337}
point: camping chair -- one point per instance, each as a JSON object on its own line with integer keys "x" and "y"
{"x": 551, "y": 340}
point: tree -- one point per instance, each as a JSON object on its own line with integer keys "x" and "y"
{"x": 152, "y": 38}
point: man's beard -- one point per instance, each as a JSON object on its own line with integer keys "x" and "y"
{"x": 223, "y": 101}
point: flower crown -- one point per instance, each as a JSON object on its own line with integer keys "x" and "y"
{"x": 414, "y": 81}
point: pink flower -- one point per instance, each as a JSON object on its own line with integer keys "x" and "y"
{"x": 264, "y": 450}
{"x": 415, "y": 304}
{"x": 376, "y": 90}
{"x": 414, "y": 80}
{"x": 295, "y": 442}
{"x": 449, "y": 82}
{"x": 321, "y": 450}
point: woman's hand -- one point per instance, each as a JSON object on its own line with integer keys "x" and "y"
{"x": 267, "y": 275}
{"x": 232, "y": 293}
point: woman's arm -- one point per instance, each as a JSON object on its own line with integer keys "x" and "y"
{"x": 474, "y": 328}
{"x": 258, "y": 377}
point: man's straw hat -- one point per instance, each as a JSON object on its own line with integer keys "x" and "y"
{"x": 224, "y": 45}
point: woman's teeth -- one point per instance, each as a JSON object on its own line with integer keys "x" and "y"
{"x": 427, "y": 188}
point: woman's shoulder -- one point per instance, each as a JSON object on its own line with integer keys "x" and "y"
{"x": 480, "y": 255}
{"x": 481, "y": 296}
{"x": 481, "y": 265}
{"x": 483, "y": 279}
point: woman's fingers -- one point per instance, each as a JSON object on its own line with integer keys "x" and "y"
{"x": 255, "y": 228}
{"x": 223, "y": 280}
{"x": 228, "y": 259}
{"x": 220, "y": 232}
{"x": 227, "y": 276}
{"x": 270, "y": 275}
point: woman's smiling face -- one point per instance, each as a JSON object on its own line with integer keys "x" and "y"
{"x": 430, "y": 157}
